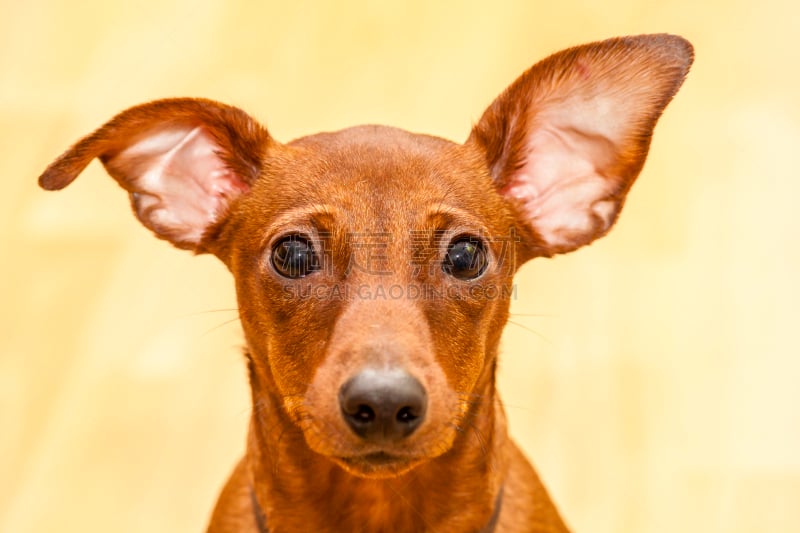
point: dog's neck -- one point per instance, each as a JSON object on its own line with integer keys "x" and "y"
{"x": 291, "y": 482}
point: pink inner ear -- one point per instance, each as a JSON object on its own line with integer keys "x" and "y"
{"x": 562, "y": 189}
{"x": 182, "y": 184}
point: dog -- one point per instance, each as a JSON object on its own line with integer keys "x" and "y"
{"x": 373, "y": 271}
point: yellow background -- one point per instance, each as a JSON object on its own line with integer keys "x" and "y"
{"x": 653, "y": 377}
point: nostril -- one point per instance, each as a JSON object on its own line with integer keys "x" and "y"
{"x": 364, "y": 414}
{"x": 406, "y": 415}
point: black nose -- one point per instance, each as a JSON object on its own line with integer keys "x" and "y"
{"x": 383, "y": 404}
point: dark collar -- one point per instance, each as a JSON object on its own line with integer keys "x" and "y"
{"x": 261, "y": 520}
{"x": 492, "y": 523}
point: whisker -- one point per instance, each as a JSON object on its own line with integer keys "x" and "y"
{"x": 208, "y": 311}
{"x": 218, "y": 326}
{"x": 526, "y": 328}
{"x": 480, "y": 397}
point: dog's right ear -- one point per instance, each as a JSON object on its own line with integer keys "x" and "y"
{"x": 565, "y": 142}
{"x": 183, "y": 161}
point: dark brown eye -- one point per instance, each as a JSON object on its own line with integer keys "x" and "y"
{"x": 466, "y": 258}
{"x": 294, "y": 257}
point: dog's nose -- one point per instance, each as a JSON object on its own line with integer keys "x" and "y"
{"x": 383, "y": 404}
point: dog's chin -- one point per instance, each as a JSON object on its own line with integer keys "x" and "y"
{"x": 379, "y": 465}
{"x": 376, "y": 461}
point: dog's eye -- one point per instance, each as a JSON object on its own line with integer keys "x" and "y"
{"x": 466, "y": 258}
{"x": 294, "y": 257}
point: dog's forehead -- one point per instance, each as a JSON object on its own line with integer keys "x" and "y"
{"x": 382, "y": 173}
{"x": 381, "y": 157}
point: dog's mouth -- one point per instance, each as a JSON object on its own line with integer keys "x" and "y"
{"x": 378, "y": 464}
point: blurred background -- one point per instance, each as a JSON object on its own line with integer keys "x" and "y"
{"x": 653, "y": 378}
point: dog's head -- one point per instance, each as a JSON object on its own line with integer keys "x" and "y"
{"x": 373, "y": 266}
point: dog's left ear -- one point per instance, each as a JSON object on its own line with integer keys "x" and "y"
{"x": 566, "y": 140}
{"x": 184, "y": 161}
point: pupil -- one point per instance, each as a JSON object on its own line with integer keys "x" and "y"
{"x": 463, "y": 255}
{"x": 294, "y": 257}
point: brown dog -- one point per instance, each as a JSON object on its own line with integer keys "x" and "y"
{"x": 373, "y": 269}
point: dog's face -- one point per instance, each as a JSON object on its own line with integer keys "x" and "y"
{"x": 417, "y": 279}
{"x": 373, "y": 266}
